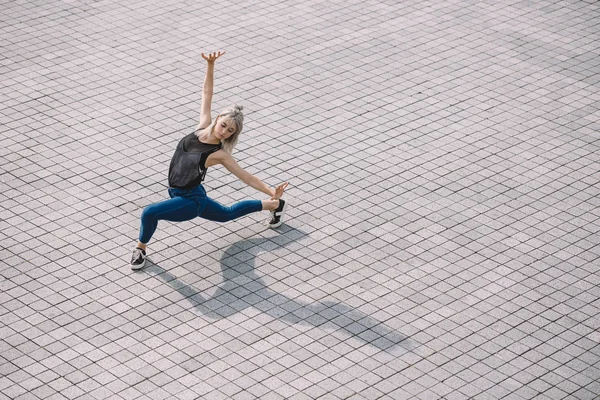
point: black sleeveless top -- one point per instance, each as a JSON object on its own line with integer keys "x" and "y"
{"x": 187, "y": 168}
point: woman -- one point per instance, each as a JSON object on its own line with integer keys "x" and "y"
{"x": 210, "y": 144}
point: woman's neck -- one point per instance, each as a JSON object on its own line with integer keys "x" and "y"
{"x": 208, "y": 138}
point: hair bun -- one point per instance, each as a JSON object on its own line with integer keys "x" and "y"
{"x": 238, "y": 108}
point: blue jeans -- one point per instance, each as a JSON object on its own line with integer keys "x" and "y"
{"x": 187, "y": 204}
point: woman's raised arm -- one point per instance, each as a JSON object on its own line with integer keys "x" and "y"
{"x": 207, "y": 89}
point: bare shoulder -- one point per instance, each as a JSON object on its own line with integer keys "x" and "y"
{"x": 218, "y": 157}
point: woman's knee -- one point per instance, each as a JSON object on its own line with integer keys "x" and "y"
{"x": 149, "y": 213}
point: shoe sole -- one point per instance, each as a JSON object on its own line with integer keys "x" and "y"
{"x": 277, "y": 225}
{"x": 135, "y": 267}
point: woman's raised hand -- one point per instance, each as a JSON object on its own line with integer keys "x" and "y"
{"x": 279, "y": 191}
{"x": 212, "y": 57}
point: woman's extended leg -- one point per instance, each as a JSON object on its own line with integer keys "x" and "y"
{"x": 215, "y": 211}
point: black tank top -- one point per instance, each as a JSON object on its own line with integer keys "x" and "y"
{"x": 187, "y": 168}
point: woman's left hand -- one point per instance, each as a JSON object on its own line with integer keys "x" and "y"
{"x": 212, "y": 57}
{"x": 279, "y": 191}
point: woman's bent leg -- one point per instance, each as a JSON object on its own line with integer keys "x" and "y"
{"x": 176, "y": 209}
{"x": 220, "y": 213}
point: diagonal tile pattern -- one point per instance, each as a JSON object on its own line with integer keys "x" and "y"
{"x": 443, "y": 240}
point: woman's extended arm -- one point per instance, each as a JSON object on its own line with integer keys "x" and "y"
{"x": 207, "y": 89}
{"x": 232, "y": 166}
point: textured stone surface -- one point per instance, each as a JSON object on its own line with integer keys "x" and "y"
{"x": 443, "y": 236}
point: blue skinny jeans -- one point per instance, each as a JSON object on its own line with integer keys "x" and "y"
{"x": 187, "y": 204}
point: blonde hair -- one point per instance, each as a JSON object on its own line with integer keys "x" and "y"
{"x": 233, "y": 113}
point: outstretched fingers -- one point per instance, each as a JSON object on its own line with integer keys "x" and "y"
{"x": 279, "y": 190}
{"x": 212, "y": 57}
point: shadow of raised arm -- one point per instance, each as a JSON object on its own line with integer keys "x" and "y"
{"x": 242, "y": 287}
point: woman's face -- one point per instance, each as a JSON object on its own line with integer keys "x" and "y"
{"x": 224, "y": 128}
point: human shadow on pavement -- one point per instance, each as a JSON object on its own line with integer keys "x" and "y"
{"x": 242, "y": 287}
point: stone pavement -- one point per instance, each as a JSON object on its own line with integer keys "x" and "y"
{"x": 443, "y": 239}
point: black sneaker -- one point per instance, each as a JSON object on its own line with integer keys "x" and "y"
{"x": 138, "y": 259}
{"x": 277, "y": 215}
